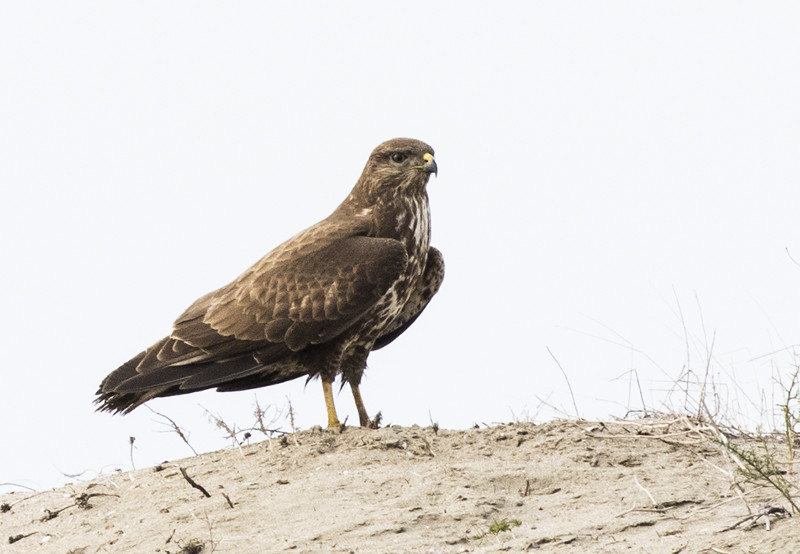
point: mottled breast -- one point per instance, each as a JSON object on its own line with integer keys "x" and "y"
{"x": 410, "y": 224}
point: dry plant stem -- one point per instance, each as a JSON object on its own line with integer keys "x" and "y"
{"x": 16, "y": 485}
{"x": 718, "y": 504}
{"x": 80, "y": 500}
{"x": 665, "y": 435}
{"x": 661, "y": 508}
{"x": 259, "y": 413}
{"x": 702, "y": 401}
{"x": 231, "y": 431}
{"x": 175, "y": 428}
{"x": 132, "y": 440}
{"x": 560, "y": 412}
{"x": 193, "y": 483}
{"x": 650, "y": 496}
{"x": 764, "y": 470}
{"x": 753, "y": 518}
{"x": 34, "y": 495}
{"x": 641, "y": 394}
{"x": 569, "y": 386}
{"x": 791, "y": 419}
{"x": 721, "y": 439}
{"x": 792, "y": 258}
{"x": 291, "y": 422}
{"x": 752, "y": 466}
{"x": 686, "y": 342}
{"x": 654, "y": 423}
{"x": 17, "y": 538}
{"x": 725, "y": 472}
{"x": 790, "y": 435}
{"x": 265, "y": 428}
{"x": 211, "y": 533}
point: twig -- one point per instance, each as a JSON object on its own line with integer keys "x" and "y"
{"x": 193, "y": 483}
{"x": 16, "y": 538}
{"x": 265, "y": 427}
{"x": 291, "y": 422}
{"x": 753, "y": 518}
{"x": 790, "y": 419}
{"x": 175, "y": 428}
{"x": 660, "y": 508}
{"x": 721, "y": 439}
{"x": 549, "y": 405}
{"x": 434, "y": 424}
{"x": 17, "y": 485}
{"x": 231, "y": 431}
{"x": 650, "y": 496}
{"x": 527, "y": 490}
{"x": 228, "y": 498}
{"x": 132, "y": 440}
{"x": 718, "y": 504}
{"x": 635, "y": 375}
{"x": 685, "y": 339}
{"x": 211, "y": 533}
{"x": 790, "y": 257}
{"x": 657, "y": 423}
{"x": 641, "y": 394}
{"x": 81, "y": 501}
{"x": 725, "y": 472}
{"x": 34, "y": 495}
{"x": 702, "y": 400}
{"x": 569, "y": 386}
{"x": 676, "y": 434}
{"x": 648, "y": 510}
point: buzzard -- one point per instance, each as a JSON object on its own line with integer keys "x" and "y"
{"x": 315, "y": 306}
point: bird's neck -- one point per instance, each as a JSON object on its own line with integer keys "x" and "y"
{"x": 406, "y": 218}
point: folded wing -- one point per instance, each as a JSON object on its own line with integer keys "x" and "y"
{"x": 305, "y": 292}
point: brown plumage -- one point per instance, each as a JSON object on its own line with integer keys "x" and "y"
{"x": 316, "y": 305}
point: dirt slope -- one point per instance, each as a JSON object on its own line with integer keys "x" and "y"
{"x": 556, "y": 487}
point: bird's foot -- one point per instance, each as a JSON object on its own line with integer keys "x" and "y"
{"x": 337, "y": 426}
{"x": 334, "y": 424}
{"x": 374, "y": 423}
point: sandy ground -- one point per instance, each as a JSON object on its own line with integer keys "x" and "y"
{"x": 647, "y": 486}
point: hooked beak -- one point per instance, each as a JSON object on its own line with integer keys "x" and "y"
{"x": 430, "y": 164}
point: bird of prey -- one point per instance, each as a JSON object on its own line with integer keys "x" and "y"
{"x": 315, "y": 306}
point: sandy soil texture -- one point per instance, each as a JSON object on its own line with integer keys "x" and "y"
{"x": 646, "y": 486}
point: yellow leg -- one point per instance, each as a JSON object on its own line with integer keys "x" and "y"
{"x": 363, "y": 418}
{"x": 333, "y": 421}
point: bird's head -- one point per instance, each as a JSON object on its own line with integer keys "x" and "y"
{"x": 397, "y": 166}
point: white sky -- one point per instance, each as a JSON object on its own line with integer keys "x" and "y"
{"x": 600, "y": 163}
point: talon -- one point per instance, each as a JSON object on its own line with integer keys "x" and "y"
{"x": 375, "y": 422}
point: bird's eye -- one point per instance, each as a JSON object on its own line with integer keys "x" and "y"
{"x": 399, "y": 157}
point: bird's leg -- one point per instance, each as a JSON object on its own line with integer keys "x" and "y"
{"x": 327, "y": 390}
{"x": 352, "y": 367}
{"x": 363, "y": 418}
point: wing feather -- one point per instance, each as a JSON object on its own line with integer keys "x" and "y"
{"x": 307, "y": 291}
{"x": 332, "y": 285}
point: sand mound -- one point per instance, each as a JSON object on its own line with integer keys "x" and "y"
{"x": 646, "y": 486}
